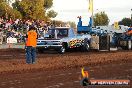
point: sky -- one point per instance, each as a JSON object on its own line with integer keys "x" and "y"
{"x": 69, "y": 10}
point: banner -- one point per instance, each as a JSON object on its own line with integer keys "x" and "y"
{"x": 11, "y": 40}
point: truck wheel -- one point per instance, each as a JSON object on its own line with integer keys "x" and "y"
{"x": 85, "y": 47}
{"x": 62, "y": 50}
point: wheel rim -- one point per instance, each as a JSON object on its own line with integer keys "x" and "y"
{"x": 87, "y": 47}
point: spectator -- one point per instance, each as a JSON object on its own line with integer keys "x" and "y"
{"x": 21, "y": 26}
{"x": 8, "y": 34}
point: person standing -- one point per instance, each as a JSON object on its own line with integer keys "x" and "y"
{"x": 31, "y": 42}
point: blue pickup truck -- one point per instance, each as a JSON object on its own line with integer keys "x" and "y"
{"x": 63, "y": 38}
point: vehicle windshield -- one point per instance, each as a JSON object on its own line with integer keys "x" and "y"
{"x": 61, "y": 32}
{"x": 51, "y": 32}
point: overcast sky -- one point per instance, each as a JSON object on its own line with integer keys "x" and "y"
{"x": 68, "y": 10}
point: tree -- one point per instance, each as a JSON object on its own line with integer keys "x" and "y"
{"x": 30, "y": 9}
{"x": 58, "y": 23}
{"x": 4, "y": 8}
{"x": 27, "y": 9}
{"x": 48, "y": 4}
{"x": 7, "y": 12}
{"x": 1, "y": 1}
{"x": 16, "y": 5}
{"x": 126, "y": 22}
{"x": 52, "y": 14}
{"x": 35, "y": 9}
{"x": 72, "y": 24}
{"x": 101, "y": 19}
{"x": 7, "y": 1}
{"x": 16, "y": 14}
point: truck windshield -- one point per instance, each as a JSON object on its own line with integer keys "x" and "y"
{"x": 61, "y": 32}
{"x": 51, "y": 31}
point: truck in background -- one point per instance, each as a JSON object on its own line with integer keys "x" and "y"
{"x": 124, "y": 40}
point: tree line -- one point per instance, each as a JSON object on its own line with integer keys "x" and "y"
{"x": 27, "y": 9}
{"x": 102, "y": 19}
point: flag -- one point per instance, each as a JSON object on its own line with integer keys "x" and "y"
{"x": 116, "y": 26}
{"x": 90, "y": 5}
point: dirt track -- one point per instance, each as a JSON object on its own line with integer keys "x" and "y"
{"x": 62, "y": 71}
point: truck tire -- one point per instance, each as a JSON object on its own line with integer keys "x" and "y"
{"x": 85, "y": 47}
{"x": 62, "y": 50}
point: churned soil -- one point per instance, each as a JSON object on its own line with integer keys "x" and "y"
{"x": 13, "y": 60}
{"x": 115, "y": 64}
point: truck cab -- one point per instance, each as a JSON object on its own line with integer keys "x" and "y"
{"x": 59, "y": 33}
